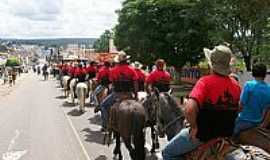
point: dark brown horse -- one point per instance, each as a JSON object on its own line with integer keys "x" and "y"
{"x": 127, "y": 120}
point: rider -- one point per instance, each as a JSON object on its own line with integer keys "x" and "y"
{"x": 103, "y": 81}
{"x": 71, "y": 71}
{"x": 141, "y": 75}
{"x": 159, "y": 78}
{"x": 211, "y": 109}
{"x": 124, "y": 83}
{"x": 254, "y": 100}
{"x": 80, "y": 73}
{"x": 91, "y": 70}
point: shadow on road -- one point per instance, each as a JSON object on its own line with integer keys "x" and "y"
{"x": 101, "y": 157}
{"x": 95, "y": 120}
{"x": 60, "y": 97}
{"x": 67, "y": 104}
{"x": 75, "y": 112}
{"x": 93, "y": 136}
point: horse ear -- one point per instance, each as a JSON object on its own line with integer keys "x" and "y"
{"x": 156, "y": 92}
{"x": 170, "y": 91}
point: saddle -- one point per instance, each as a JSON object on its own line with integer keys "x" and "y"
{"x": 225, "y": 149}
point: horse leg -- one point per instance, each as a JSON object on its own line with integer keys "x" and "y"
{"x": 154, "y": 137}
{"x": 139, "y": 140}
{"x": 131, "y": 150}
{"x": 117, "y": 149}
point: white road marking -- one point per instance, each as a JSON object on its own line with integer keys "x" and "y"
{"x": 77, "y": 137}
{"x": 12, "y": 142}
{"x": 13, "y": 155}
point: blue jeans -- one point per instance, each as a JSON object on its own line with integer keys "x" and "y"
{"x": 179, "y": 145}
{"x": 241, "y": 125}
{"x": 104, "y": 106}
{"x": 97, "y": 91}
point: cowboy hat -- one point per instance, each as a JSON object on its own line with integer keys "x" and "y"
{"x": 219, "y": 59}
{"x": 122, "y": 56}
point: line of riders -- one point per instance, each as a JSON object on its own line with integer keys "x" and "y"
{"x": 217, "y": 115}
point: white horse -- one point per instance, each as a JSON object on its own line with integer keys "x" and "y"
{"x": 81, "y": 91}
{"x": 72, "y": 89}
{"x": 65, "y": 84}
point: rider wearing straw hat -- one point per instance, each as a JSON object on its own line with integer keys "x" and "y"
{"x": 124, "y": 84}
{"x": 212, "y": 106}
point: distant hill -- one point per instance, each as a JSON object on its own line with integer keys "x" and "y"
{"x": 53, "y": 42}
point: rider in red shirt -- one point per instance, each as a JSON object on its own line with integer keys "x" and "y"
{"x": 80, "y": 73}
{"x": 124, "y": 82}
{"x": 103, "y": 74}
{"x": 141, "y": 75}
{"x": 159, "y": 78}
{"x": 92, "y": 70}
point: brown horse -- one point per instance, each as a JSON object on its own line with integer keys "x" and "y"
{"x": 127, "y": 120}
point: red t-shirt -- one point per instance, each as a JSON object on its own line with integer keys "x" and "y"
{"x": 79, "y": 71}
{"x": 103, "y": 72}
{"x": 159, "y": 76}
{"x": 123, "y": 71}
{"x": 141, "y": 75}
{"x": 91, "y": 69}
{"x": 71, "y": 70}
{"x": 216, "y": 90}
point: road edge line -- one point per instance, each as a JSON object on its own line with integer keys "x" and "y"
{"x": 77, "y": 137}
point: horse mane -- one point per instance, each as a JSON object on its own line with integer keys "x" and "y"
{"x": 172, "y": 102}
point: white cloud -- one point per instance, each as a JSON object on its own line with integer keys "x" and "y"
{"x": 56, "y": 18}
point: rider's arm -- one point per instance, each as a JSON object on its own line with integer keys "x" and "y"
{"x": 191, "y": 111}
{"x": 266, "y": 120}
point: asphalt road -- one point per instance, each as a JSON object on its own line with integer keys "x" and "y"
{"x": 38, "y": 124}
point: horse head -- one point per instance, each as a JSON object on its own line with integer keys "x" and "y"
{"x": 169, "y": 116}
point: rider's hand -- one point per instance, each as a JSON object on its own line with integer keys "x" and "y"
{"x": 193, "y": 134}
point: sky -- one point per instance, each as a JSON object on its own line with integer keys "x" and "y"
{"x": 56, "y": 18}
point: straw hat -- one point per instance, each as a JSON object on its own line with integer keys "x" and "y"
{"x": 219, "y": 59}
{"x": 122, "y": 56}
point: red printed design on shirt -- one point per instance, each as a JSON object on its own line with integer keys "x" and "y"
{"x": 216, "y": 90}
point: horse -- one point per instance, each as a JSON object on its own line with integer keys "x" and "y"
{"x": 92, "y": 87}
{"x": 127, "y": 120}
{"x": 65, "y": 85}
{"x": 72, "y": 89}
{"x": 170, "y": 120}
{"x": 81, "y": 91}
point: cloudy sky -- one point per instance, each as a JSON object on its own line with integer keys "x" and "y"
{"x": 56, "y": 18}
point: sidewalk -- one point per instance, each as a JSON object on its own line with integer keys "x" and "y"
{"x": 5, "y": 89}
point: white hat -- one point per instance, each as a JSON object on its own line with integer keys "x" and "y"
{"x": 122, "y": 56}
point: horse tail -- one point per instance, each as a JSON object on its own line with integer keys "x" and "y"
{"x": 138, "y": 120}
{"x": 139, "y": 141}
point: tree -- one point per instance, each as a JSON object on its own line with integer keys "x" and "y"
{"x": 102, "y": 44}
{"x": 243, "y": 23}
{"x": 177, "y": 30}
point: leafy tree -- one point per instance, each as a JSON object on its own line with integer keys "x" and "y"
{"x": 177, "y": 30}
{"x": 102, "y": 44}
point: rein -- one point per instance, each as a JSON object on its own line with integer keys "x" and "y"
{"x": 172, "y": 122}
